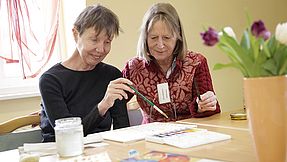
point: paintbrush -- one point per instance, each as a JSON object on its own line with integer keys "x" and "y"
{"x": 148, "y": 101}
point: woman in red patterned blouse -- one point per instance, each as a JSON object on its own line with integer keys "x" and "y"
{"x": 165, "y": 71}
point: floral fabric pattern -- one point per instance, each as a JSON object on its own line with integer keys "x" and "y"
{"x": 146, "y": 75}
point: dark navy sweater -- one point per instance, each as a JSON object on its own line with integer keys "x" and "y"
{"x": 69, "y": 93}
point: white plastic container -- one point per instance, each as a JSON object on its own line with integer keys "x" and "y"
{"x": 69, "y": 136}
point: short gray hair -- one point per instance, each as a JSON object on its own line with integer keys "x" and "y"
{"x": 98, "y": 17}
{"x": 167, "y": 13}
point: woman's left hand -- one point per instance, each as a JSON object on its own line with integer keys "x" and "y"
{"x": 207, "y": 103}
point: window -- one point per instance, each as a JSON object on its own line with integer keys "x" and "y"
{"x": 12, "y": 84}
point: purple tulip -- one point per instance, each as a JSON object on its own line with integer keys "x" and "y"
{"x": 258, "y": 30}
{"x": 210, "y": 37}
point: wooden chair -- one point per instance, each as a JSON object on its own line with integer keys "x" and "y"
{"x": 12, "y": 140}
{"x": 18, "y": 122}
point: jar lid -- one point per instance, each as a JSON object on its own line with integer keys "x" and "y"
{"x": 238, "y": 116}
{"x": 68, "y": 122}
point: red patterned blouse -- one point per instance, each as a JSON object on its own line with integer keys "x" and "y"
{"x": 146, "y": 75}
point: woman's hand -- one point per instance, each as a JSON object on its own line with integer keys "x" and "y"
{"x": 207, "y": 103}
{"x": 116, "y": 90}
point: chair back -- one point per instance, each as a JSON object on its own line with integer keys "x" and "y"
{"x": 18, "y": 122}
{"x": 12, "y": 140}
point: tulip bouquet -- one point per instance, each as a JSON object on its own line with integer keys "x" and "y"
{"x": 258, "y": 54}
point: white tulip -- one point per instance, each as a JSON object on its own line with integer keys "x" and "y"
{"x": 229, "y": 31}
{"x": 281, "y": 33}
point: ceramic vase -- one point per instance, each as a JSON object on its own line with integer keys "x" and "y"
{"x": 266, "y": 104}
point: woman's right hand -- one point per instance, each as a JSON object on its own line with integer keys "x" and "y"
{"x": 116, "y": 90}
